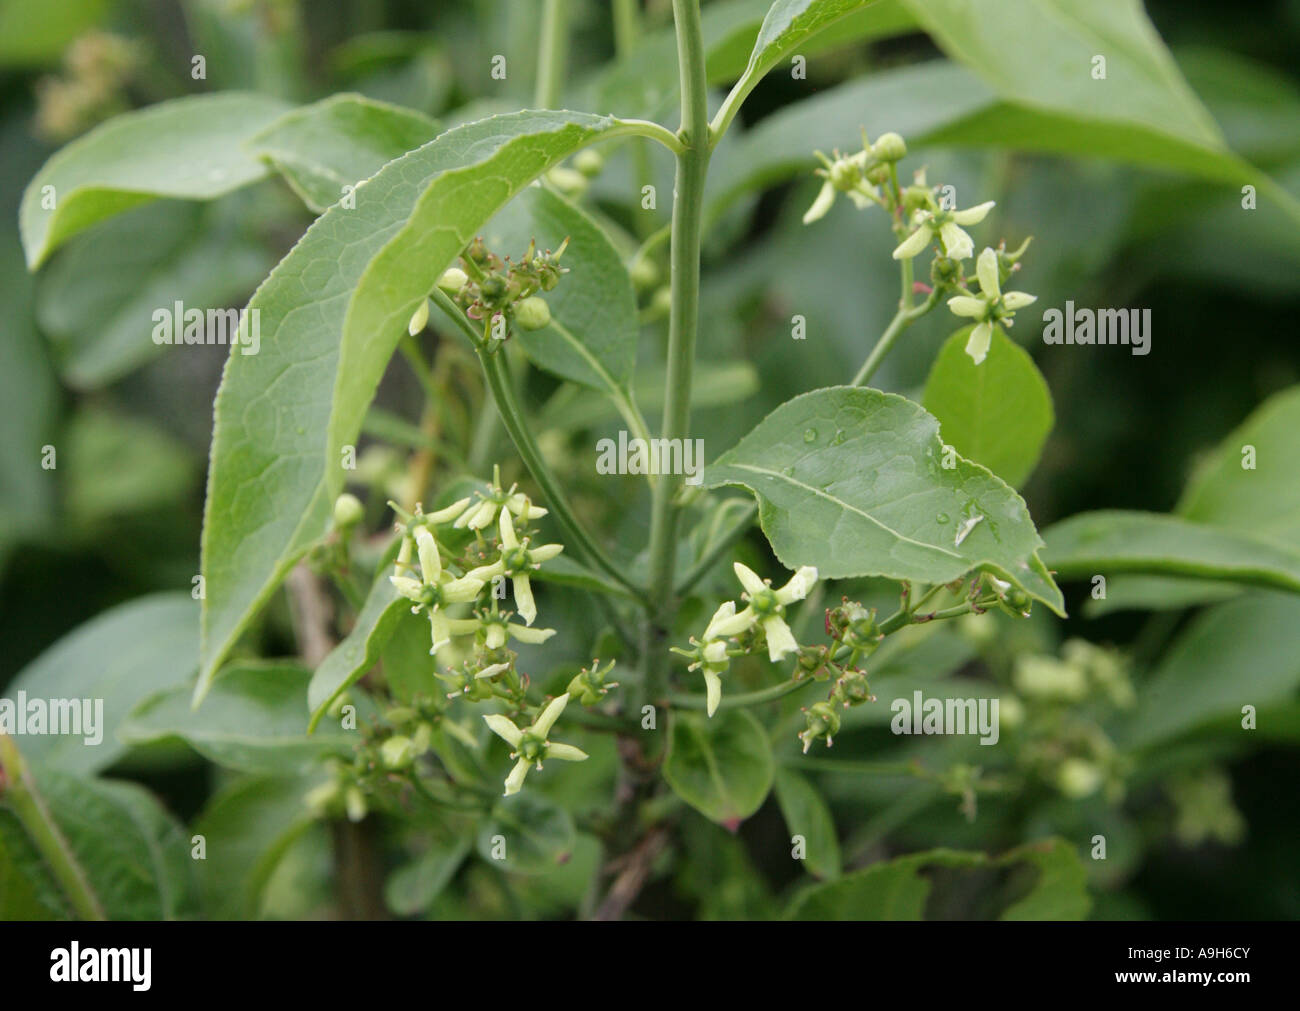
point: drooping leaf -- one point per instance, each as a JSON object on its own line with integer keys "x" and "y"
{"x": 527, "y": 833}
{"x": 246, "y": 829}
{"x": 123, "y": 163}
{"x": 593, "y": 332}
{"x": 896, "y": 890}
{"x": 331, "y": 314}
{"x": 1232, "y": 655}
{"x": 412, "y": 888}
{"x": 115, "y": 660}
{"x": 253, "y": 721}
{"x": 854, "y": 482}
{"x": 997, "y": 413}
{"x": 1158, "y": 593}
{"x": 722, "y": 766}
{"x": 806, "y": 815}
{"x": 1111, "y": 541}
{"x": 336, "y": 143}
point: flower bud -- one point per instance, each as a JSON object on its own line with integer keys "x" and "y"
{"x": 452, "y": 280}
{"x": 533, "y": 313}
{"x": 321, "y": 798}
{"x": 878, "y": 175}
{"x": 348, "y": 511}
{"x": 419, "y": 318}
{"x": 568, "y": 181}
{"x": 644, "y": 273}
{"x": 589, "y": 162}
{"x": 889, "y": 147}
{"x": 1077, "y": 777}
{"x": 355, "y": 802}
{"x": 397, "y": 752}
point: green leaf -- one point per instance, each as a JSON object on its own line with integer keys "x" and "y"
{"x": 96, "y": 301}
{"x": 722, "y": 766}
{"x": 118, "y": 658}
{"x": 128, "y": 857}
{"x": 185, "y": 149}
{"x": 1263, "y": 501}
{"x": 895, "y": 890}
{"x": 323, "y": 148}
{"x": 247, "y": 827}
{"x": 1158, "y": 593}
{"x": 331, "y": 314}
{"x": 359, "y": 651}
{"x": 535, "y": 834}
{"x": 806, "y": 814}
{"x": 790, "y": 23}
{"x": 565, "y": 571}
{"x": 593, "y": 333}
{"x": 34, "y": 34}
{"x": 1116, "y": 540}
{"x": 412, "y": 888}
{"x": 714, "y": 384}
{"x": 252, "y": 721}
{"x": 1231, "y": 655}
{"x": 852, "y": 481}
{"x": 997, "y": 413}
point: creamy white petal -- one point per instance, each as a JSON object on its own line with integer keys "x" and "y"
{"x": 407, "y": 587}
{"x": 461, "y": 591}
{"x": 504, "y": 729}
{"x": 965, "y": 305}
{"x": 487, "y": 572}
{"x": 507, "y": 526}
{"x": 495, "y": 635}
{"x": 565, "y": 752}
{"x": 550, "y": 714}
{"x": 715, "y": 651}
{"x": 798, "y": 586}
{"x": 825, "y": 198}
{"x": 749, "y": 579}
{"x": 449, "y": 513}
{"x": 482, "y": 516}
{"x": 515, "y": 781}
{"x": 491, "y": 671}
{"x": 973, "y": 215}
{"x": 734, "y": 625}
{"x": 725, "y": 611}
{"x": 986, "y": 269}
{"x": 780, "y": 640}
{"x": 534, "y": 636}
{"x": 1014, "y": 300}
{"x": 545, "y": 552}
{"x": 430, "y": 562}
{"x": 712, "y": 692}
{"x": 524, "y": 602}
{"x": 441, "y": 631}
{"x": 977, "y": 346}
{"x": 913, "y": 244}
{"x": 956, "y": 243}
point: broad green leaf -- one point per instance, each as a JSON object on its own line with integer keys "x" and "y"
{"x": 359, "y": 651}
{"x": 127, "y": 161}
{"x": 1234, "y": 654}
{"x": 325, "y": 148}
{"x": 806, "y": 815}
{"x": 1116, "y": 540}
{"x": 129, "y": 857}
{"x": 534, "y": 833}
{"x": 1257, "y": 492}
{"x": 896, "y": 890}
{"x": 97, "y": 299}
{"x": 35, "y": 34}
{"x": 722, "y": 766}
{"x": 853, "y": 481}
{"x": 997, "y": 413}
{"x": 252, "y": 721}
{"x": 565, "y": 571}
{"x": 247, "y": 827}
{"x": 412, "y": 888}
{"x": 331, "y": 314}
{"x": 593, "y": 332}
{"x": 115, "y": 660}
{"x": 1158, "y": 593}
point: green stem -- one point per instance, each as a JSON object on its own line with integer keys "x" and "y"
{"x": 683, "y": 322}
{"x": 685, "y": 700}
{"x": 552, "y": 44}
{"x": 494, "y": 370}
{"x": 19, "y": 793}
{"x": 627, "y": 26}
{"x": 902, "y": 320}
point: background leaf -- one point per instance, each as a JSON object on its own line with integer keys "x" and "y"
{"x": 806, "y": 814}
{"x": 722, "y": 766}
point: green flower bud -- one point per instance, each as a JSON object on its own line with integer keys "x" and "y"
{"x": 321, "y": 799}
{"x": 644, "y": 273}
{"x": 1078, "y": 778}
{"x": 662, "y": 302}
{"x": 568, "y": 181}
{"x": 589, "y": 162}
{"x": 355, "y": 802}
{"x": 423, "y": 738}
{"x": 851, "y": 689}
{"x": 452, "y": 280}
{"x": 889, "y": 147}
{"x": 400, "y": 714}
{"x": 878, "y": 175}
{"x": 916, "y": 198}
{"x": 397, "y": 752}
{"x": 348, "y": 511}
{"x": 533, "y": 313}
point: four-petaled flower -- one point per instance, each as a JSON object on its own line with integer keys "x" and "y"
{"x": 843, "y": 175}
{"x": 516, "y": 561}
{"x": 435, "y": 588}
{"x": 766, "y": 609}
{"x": 928, "y": 224}
{"x": 530, "y": 744}
{"x": 990, "y": 307}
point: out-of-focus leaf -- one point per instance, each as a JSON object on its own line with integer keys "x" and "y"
{"x": 122, "y": 163}
{"x": 357, "y": 653}
{"x": 33, "y": 34}
{"x": 1158, "y": 593}
{"x": 722, "y": 766}
{"x": 115, "y": 660}
{"x": 534, "y": 833}
{"x": 412, "y": 888}
{"x": 714, "y": 384}
{"x": 806, "y": 815}
{"x": 997, "y": 413}
{"x": 253, "y": 721}
{"x": 853, "y": 481}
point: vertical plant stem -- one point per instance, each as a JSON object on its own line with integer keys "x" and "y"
{"x": 552, "y": 48}
{"x": 683, "y": 323}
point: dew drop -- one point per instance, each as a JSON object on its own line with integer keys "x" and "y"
{"x": 810, "y": 435}
{"x": 839, "y": 438}
{"x": 942, "y": 518}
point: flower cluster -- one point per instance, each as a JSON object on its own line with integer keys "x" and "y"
{"x": 496, "y": 290}
{"x": 762, "y": 622}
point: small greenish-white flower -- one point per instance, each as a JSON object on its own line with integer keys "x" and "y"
{"x": 992, "y": 306}
{"x": 397, "y": 752}
{"x": 946, "y": 226}
{"x": 516, "y": 561}
{"x": 766, "y": 609}
{"x": 484, "y": 512}
{"x": 845, "y": 174}
{"x": 435, "y": 588}
{"x": 530, "y": 744}
{"x": 496, "y": 630}
{"x": 419, "y": 318}
{"x": 348, "y": 511}
{"x": 452, "y": 280}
